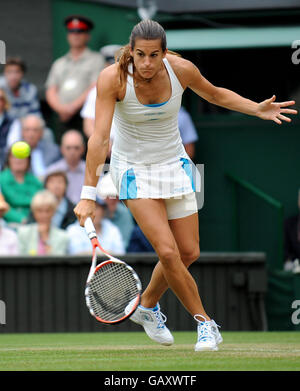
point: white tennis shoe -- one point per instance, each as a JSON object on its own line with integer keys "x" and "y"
{"x": 209, "y": 336}
{"x": 153, "y": 322}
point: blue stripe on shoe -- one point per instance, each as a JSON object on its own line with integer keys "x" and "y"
{"x": 128, "y": 186}
{"x": 149, "y": 308}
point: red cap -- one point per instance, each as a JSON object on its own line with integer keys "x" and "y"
{"x": 78, "y": 23}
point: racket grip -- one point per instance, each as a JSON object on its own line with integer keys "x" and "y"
{"x": 89, "y": 228}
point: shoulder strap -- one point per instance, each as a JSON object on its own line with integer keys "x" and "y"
{"x": 173, "y": 77}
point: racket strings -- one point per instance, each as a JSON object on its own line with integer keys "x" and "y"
{"x": 110, "y": 290}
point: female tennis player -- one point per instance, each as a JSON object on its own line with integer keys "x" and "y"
{"x": 149, "y": 166}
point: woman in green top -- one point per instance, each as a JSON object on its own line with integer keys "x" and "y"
{"x": 18, "y": 186}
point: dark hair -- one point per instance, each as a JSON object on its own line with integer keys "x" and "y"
{"x": 146, "y": 29}
{"x": 16, "y": 61}
{"x": 9, "y": 153}
{"x": 56, "y": 173}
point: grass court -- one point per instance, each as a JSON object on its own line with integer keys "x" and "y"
{"x": 134, "y": 351}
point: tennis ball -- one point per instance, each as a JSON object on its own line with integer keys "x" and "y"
{"x": 20, "y": 149}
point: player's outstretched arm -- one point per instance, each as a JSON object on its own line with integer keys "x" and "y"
{"x": 268, "y": 109}
{"x": 275, "y": 111}
{"x": 98, "y": 143}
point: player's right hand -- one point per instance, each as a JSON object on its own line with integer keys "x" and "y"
{"x": 85, "y": 209}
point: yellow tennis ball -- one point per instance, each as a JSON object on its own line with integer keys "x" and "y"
{"x": 20, "y": 149}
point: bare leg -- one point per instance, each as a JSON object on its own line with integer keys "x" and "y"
{"x": 186, "y": 233}
{"x": 152, "y": 218}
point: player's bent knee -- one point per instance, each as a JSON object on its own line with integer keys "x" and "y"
{"x": 190, "y": 257}
{"x": 167, "y": 255}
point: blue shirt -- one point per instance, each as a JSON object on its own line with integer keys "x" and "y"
{"x": 59, "y": 215}
{"x": 138, "y": 242}
{"x": 186, "y": 126}
{"x": 110, "y": 239}
{"x": 25, "y": 102}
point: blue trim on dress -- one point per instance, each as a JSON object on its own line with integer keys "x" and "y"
{"x": 157, "y": 104}
{"x": 128, "y": 186}
{"x": 187, "y": 166}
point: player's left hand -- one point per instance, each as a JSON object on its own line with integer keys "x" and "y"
{"x": 271, "y": 110}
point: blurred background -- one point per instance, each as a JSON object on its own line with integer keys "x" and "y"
{"x": 247, "y": 270}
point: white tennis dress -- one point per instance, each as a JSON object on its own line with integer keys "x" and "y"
{"x": 148, "y": 157}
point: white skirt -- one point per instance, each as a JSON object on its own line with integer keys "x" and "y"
{"x": 169, "y": 179}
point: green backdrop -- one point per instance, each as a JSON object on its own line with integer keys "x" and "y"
{"x": 112, "y": 24}
{"x": 260, "y": 152}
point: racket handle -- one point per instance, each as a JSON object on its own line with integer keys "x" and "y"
{"x": 89, "y": 228}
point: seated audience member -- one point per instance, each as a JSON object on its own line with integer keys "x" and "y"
{"x": 43, "y": 153}
{"x": 18, "y": 186}
{"x": 8, "y": 240}
{"x": 74, "y": 74}
{"x": 8, "y": 237}
{"x": 15, "y": 133}
{"x": 22, "y": 95}
{"x": 116, "y": 211}
{"x": 41, "y": 237}
{"x": 57, "y": 183}
{"x": 187, "y": 131}
{"x": 72, "y": 150}
{"x": 138, "y": 242}
{"x": 292, "y": 240}
{"x": 5, "y": 125}
{"x": 108, "y": 234}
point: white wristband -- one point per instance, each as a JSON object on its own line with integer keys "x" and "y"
{"x": 88, "y": 193}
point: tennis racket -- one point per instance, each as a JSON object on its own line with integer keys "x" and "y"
{"x": 111, "y": 285}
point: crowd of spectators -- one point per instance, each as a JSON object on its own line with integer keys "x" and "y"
{"x": 38, "y": 193}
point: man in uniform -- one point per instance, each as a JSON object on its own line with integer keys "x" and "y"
{"x": 72, "y": 76}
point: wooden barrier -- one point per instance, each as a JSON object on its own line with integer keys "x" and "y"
{"x": 46, "y": 294}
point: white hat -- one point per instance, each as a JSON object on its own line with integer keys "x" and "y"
{"x": 109, "y": 52}
{"x": 106, "y": 187}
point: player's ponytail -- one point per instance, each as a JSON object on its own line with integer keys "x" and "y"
{"x": 146, "y": 29}
{"x": 124, "y": 59}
